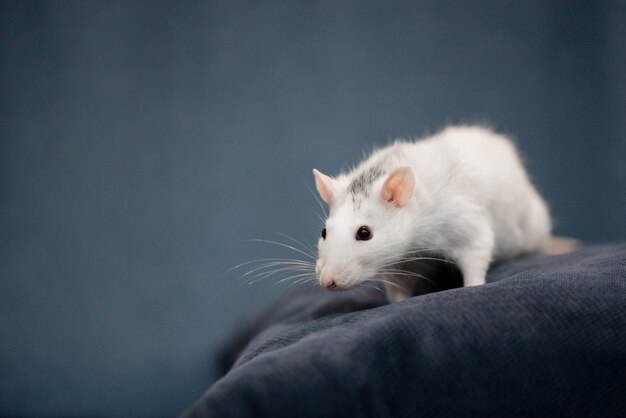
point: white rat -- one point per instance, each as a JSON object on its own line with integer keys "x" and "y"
{"x": 462, "y": 194}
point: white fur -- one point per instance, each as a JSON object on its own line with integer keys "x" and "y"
{"x": 472, "y": 202}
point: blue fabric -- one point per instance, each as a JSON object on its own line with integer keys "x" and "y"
{"x": 545, "y": 336}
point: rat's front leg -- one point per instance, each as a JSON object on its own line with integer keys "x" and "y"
{"x": 474, "y": 261}
{"x": 474, "y": 271}
{"x": 473, "y": 265}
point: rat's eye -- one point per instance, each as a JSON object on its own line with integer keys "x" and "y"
{"x": 324, "y": 233}
{"x": 363, "y": 234}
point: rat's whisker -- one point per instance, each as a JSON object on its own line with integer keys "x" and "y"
{"x": 309, "y": 278}
{"x": 369, "y": 284}
{"x": 274, "y": 272}
{"x": 298, "y": 276}
{"x": 274, "y": 265}
{"x": 317, "y": 214}
{"x": 305, "y": 281}
{"x": 392, "y": 284}
{"x": 443, "y": 260}
{"x": 303, "y": 245}
{"x": 295, "y": 276}
{"x": 278, "y": 260}
{"x": 413, "y": 253}
{"x": 405, "y": 273}
{"x": 268, "y": 269}
{"x": 280, "y": 244}
{"x": 406, "y": 260}
{"x": 319, "y": 202}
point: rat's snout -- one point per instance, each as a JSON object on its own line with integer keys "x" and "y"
{"x": 328, "y": 283}
{"x": 326, "y": 280}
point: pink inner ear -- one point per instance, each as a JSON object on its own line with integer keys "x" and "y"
{"x": 324, "y": 185}
{"x": 398, "y": 187}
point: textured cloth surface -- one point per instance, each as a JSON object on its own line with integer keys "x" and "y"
{"x": 545, "y": 336}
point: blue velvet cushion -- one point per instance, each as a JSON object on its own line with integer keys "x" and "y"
{"x": 545, "y": 337}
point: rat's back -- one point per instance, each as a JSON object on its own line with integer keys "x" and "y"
{"x": 485, "y": 169}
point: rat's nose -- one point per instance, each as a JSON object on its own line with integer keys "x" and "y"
{"x": 328, "y": 283}
{"x": 327, "y": 279}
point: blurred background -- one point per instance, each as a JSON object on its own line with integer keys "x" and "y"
{"x": 142, "y": 144}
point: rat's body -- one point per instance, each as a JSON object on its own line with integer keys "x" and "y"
{"x": 462, "y": 194}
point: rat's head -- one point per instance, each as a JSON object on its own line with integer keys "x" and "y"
{"x": 367, "y": 228}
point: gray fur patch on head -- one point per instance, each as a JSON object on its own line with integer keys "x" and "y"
{"x": 362, "y": 183}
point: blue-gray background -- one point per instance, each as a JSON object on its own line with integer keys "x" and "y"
{"x": 140, "y": 142}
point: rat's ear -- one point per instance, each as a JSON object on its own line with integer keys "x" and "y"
{"x": 326, "y": 186}
{"x": 399, "y": 186}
